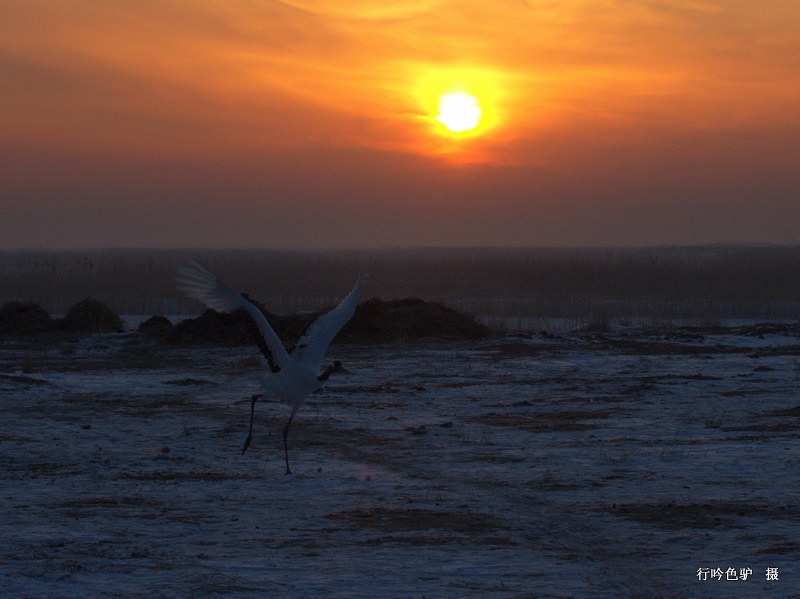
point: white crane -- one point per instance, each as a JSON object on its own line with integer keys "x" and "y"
{"x": 293, "y": 376}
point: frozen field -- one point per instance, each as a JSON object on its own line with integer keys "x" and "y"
{"x": 575, "y": 465}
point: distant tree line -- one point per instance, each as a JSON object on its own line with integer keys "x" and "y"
{"x": 700, "y": 282}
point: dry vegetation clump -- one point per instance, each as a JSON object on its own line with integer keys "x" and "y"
{"x": 695, "y": 515}
{"x": 157, "y": 326}
{"x": 411, "y": 318}
{"x": 212, "y": 327}
{"x": 540, "y": 422}
{"x": 374, "y": 320}
{"x": 767, "y": 328}
{"x": 92, "y": 315}
{"x": 18, "y": 318}
{"x": 415, "y": 519}
{"x": 288, "y": 327}
{"x": 234, "y": 328}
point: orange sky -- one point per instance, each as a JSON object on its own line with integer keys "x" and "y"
{"x": 310, "y": 123}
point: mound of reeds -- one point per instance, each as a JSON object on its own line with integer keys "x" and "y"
{"x": 374, "y": 320}
{"x": 19, "y": 318}
{"x": 410, "y": 319}
{"x": 213, "y": 327}
{"x": 159, "y": 327}
{"x": 92, "y": 315}
{"x": 236, "y": 327}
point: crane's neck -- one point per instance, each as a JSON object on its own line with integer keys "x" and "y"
{"x": 327, "y": 373}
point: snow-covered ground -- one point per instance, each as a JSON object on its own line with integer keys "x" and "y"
{"x": 624, "y": 464}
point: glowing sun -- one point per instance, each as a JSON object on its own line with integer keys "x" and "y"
{"x": 459, "y": 112}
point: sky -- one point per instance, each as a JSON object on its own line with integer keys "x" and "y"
{"x": 313, "y": 123}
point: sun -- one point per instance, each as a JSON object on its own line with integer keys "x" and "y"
{"x": 458, "y": 109}
{"x": 459, "y": 112}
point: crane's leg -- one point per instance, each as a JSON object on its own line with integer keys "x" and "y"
{"x": 286, "y": 444}
{"x": 253, "y": 401}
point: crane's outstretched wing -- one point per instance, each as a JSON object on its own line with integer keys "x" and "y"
{"x": 311, "y": 347}
{"x": 197, "y": 282}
